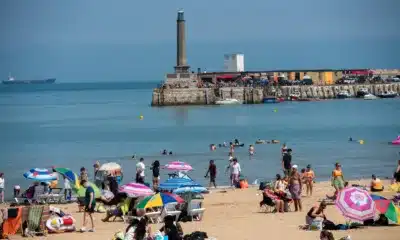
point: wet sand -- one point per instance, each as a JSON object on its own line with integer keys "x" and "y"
{"x": 235, "y": 214}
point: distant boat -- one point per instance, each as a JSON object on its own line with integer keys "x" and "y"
{"x": 362, "y": 92}
{"x": 387, "y": 94}
{"x": 343, "y": 94}
{"x": 228, "y": 101}
{"x": 369, "y": 96}
{"x": 273, "y": 100}
{"x": 11, "y": 80}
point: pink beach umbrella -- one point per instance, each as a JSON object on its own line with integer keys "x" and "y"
{"x": 178, "y": 166}
{"x": 136, "y": 190}
{"x": 356, "y": 204}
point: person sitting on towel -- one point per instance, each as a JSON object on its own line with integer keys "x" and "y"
{"x": 376, "y": 184}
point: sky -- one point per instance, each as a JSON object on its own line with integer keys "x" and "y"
{"x": 126, "y": 40}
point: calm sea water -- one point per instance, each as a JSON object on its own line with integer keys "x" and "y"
{"x": 73, "y": 125}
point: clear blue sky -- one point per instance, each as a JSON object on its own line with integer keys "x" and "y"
{"x": 126, "y": 40}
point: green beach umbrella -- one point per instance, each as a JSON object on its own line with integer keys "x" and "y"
{"x": 68, "y": 173}
{"x": 82, "y": 190}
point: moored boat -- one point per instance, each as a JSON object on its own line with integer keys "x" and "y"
{"x": 387, "y": 94}
{"x": 273, "y": 100}
{"x": 362, "y": 92}
{"x": 369, "y": 96}
{"x": 227, "y": 101}
{"x": 344, "y": 94}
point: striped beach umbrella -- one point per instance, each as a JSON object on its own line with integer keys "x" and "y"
{"x": 174, "y": 183}
{"x": 356, "y": 204}
{"x": 136, "y": 190}
{"x": 159, "y": 200}
{"x": 178, "y": 166}
{"x": 40, "y": 174}
{"x": 70, "y": 175}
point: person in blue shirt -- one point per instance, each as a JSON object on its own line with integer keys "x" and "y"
{"x": 90, "y": 203}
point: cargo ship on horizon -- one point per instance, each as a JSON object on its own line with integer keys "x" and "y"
{"x": 11, "y": 80}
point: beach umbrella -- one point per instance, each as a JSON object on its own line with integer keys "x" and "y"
{"x": 81, "y": 190}
{"x": 174, "y": 183}
{"x": 159, "y": 200}
{"x": 389, "y": 209}
{"x": 136, "y": 190}
{"x": 356, "y": 204}
{"x": 40, "y": 174}
{"x": 178, "y": 166}
{"x": 70, "y": 175}
{"x": 111, "y": 166}
{"x": 191, "y": 189}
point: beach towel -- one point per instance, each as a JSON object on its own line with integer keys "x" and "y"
{"x": 12, "y": 225}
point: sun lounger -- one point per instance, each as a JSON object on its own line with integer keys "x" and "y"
{"x": 154, "y": 217}
{"x": 195, "y": 210}
{"x": 171, "y": 210}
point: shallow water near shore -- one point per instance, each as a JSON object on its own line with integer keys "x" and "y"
{"x": 73, "y": 125}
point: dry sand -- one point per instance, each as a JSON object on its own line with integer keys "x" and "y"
{"x": 235, "y": 214}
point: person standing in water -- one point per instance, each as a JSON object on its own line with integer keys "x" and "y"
{"x": 140, "y": 167}
{"x": 251, "y": 151}
{"x": 231, "y": 148}
{"x": 287, "y": 162}
{"x": 235, "y": 172}
{"x": 212, "y": 170}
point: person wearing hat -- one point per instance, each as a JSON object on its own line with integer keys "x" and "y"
{"x": 295, "y": 187}
{"x": 309, "y": 177}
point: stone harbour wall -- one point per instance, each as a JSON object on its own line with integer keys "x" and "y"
{"x": 208, "y": 96}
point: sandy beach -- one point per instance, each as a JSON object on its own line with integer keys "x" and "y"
{"x": 235, "y": 214}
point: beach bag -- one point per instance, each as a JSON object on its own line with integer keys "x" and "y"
{"x": 316, "y": 225}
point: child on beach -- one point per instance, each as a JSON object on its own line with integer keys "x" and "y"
{"x": 90, "y": 204}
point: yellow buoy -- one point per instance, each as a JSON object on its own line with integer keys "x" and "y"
{"x": 361, "y": 141}
{"x": 141, "y": 117}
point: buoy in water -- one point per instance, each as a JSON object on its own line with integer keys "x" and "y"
{"x": 361, "y": 141}
{"x": 141, "y": 117}
{"x": 275, "y": 110}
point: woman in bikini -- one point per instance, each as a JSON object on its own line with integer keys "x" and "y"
{"x": 295, "y": 188}
{"x": 309, "y": 180}
{"x": 337, "y": 179}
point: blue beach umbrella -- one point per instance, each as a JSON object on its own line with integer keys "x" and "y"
{"x": 174, "y": 183}
{"x": 191, "y": 189}
{"x": 40, "y": 174}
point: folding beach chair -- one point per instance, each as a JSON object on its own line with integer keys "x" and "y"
{"x": 267, "y": 205}
{"x": 35, "y": 226}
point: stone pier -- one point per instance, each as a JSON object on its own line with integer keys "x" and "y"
{"x": 208, "y": 96}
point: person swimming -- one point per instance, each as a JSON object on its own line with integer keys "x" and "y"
{"x": 350, "y": 139}
{"x": 236, "y": 141}
{"x": 170, "y": 153}
{"x": 164, "y": 152}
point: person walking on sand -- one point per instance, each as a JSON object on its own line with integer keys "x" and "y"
{"x": 140, "y": 167}
{"x": 337, "y": 179}
{"x": 2, "y": 185}
{"x": 295, "y": 188}
{"x": 309, "y": 177}
{"x": 397, "y": 173}
{"x": 155, "y": 167}
{"x": 90, "y": 203}
{"x": 212, "y": 170}
{"x": 235, "y": 172}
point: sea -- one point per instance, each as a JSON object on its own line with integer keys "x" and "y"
{"x": 76, "y": 124}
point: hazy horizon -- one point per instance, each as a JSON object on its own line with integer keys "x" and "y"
{"x": 135, "y": 41}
